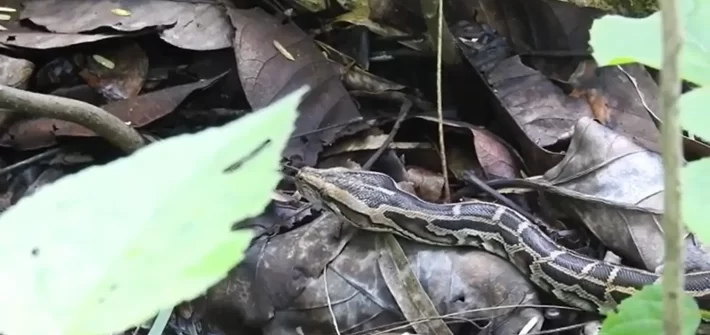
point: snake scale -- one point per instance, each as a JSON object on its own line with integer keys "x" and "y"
{"x": 372, "y": 201}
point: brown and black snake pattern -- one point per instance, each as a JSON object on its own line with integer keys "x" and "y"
{"x": 373, "y": 201}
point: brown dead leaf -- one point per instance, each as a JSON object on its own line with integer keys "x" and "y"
{"x": 200, "y": 26}
{"x": 121, "y": 75}
{"x": 15, "y": 72}
{"x": 267, "y": 75}
{"x": 536, "y": 26}
{"x": 542, "y": 116}
{"x": 598, "y": 104}
{"x": 195, "y": 26}
{"x": 537, "y": 110}
{"x": 617, "y": 102}
{"x": 268, "y": 290}
{"x": 143, "y": 109}
{"x": 495, "y": 157}
{"x": 139, "y": 111}
{"x": 76, "y": 16}
{"x": 615, "y": 187}
{"x": 429, "y": 185}
{"x": 44, "y": 40}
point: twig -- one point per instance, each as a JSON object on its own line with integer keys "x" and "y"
{"x": 672, "y": 152}
{"x": 94, "y": 118}
{"x": 449, "y": 53}
{"x": 403, "y": 111}
{"x": 31, "y": 160}
{"x": 160, "y": 321}
{"x": 439, "y": 99}
{"x": 330, "y": 303}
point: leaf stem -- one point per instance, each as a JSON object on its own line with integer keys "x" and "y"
{"x": 671, "y": 147}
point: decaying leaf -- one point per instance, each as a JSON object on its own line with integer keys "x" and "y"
{"x": 15, "y": 72}
{"x": 267, "y": 75}
{"x": 119, "y": 72}
{"x": 538, "y": 111}
{"x": 143, "y": 109}
{"x": 330, "y": 262}
{"x": 139, "y": 111}
{"x": 196, "y": 26}
{"x": 494, "y": 157}
{"x": 615, "y": 187}
{"x": 427, "y": 184}
{"x": 44, "y": 40}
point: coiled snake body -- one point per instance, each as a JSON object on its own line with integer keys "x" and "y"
{"x": 372, "y": 201}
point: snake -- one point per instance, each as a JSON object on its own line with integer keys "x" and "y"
{"x": 373, "y": 201}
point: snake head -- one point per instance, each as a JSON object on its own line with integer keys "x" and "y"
{"x": 338, "y": 182}
{"x": 317, "y": 184}
{"x": 350, "y": 194}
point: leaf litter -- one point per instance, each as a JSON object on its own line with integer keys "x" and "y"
{"x": 573, "y": 145}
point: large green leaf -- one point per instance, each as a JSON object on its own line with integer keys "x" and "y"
{"x": 694, "y": 116}
{"x": 642, "y": 313}
{"x": 99, "y": 251}
{"x": 695, "y": 187}
{"x": 617, "y": 40}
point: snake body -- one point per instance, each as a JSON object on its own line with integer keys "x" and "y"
{"x": 372, "y": 201}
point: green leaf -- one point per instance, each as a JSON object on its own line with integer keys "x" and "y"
{"x": 695, "y": 188}
{"x": 107, "y": 248}
{"x": 694, "y": 116}
{"x": 642, "y": 313}
{"x": 618, "y": 40}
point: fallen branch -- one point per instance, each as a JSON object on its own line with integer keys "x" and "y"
{"x": 94, "y": 118}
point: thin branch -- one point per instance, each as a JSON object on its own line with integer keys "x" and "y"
{"x": 439, "y": 99}
{"x": 672, "y": 150}
{"x": 403, "y": 111}
{"x": 31, "y": 160}
{"x": 437, "y": 35}
{"x": 94, "y": 118}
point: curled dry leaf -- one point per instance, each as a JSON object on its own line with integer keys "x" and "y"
{"x": 266, "y": 75}
{"x": 536, "y": 110}
{"x": 542, "y": 115}
{"x": 620, "y": 98}
{"x": 615, "y": 187}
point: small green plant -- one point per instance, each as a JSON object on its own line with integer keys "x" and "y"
{"x": 619, "y": 40}
{"x": 102, "y": 250}
{"x": 643, "y": 313}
